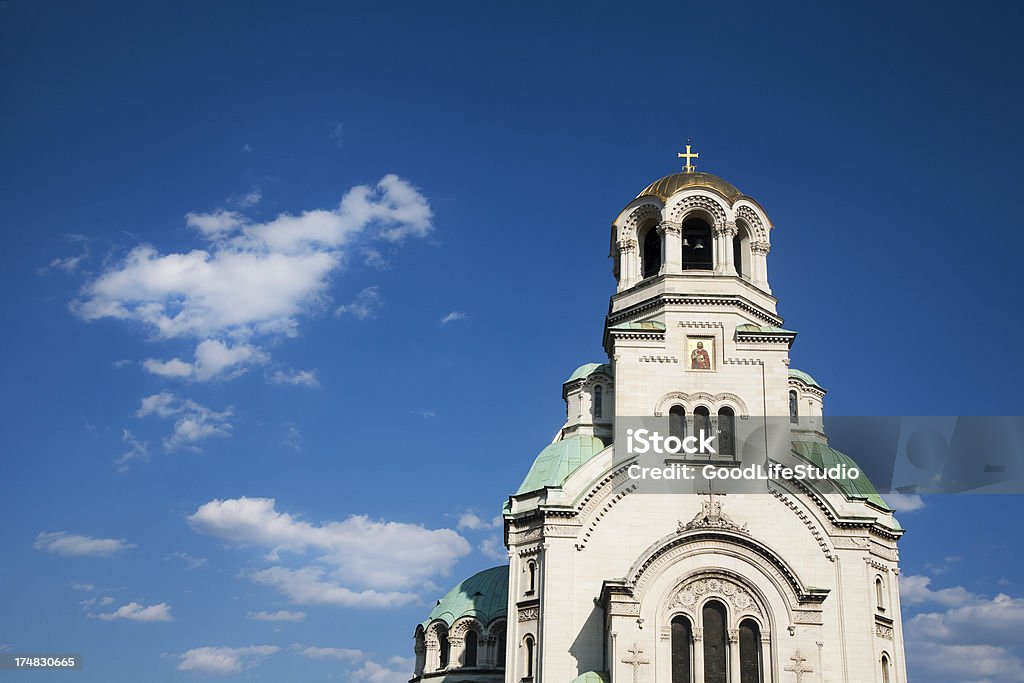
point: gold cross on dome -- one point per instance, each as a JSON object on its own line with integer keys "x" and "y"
{"x": 688, "y": 156}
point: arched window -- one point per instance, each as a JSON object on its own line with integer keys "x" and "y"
{"x": 531, "y": 570}
{"x": 598, "y": 400}
{"x": 651, "y": 253}
{"x": 879, "y": 594}
{"x": 471, "y": 646}
{"x": 886, "y": 676}
{"x": 750, "y": 652}
{"x": 701, "y": 422}
{"x": 682, "y": 635}
{"x": 445, "y": 647}
{"x": 677, "y": 422}
{"x": 726, "y": 431}
{"x": 528, "y": 648}
{"x": 698, "y": 249}
{"x": 793, "y": 413}
{"x": 420, "y": 650}
{"x": 499, "y": 655}
{"x": 715, "y": 655}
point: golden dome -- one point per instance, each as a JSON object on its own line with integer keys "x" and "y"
{"x": 670, "y": 184}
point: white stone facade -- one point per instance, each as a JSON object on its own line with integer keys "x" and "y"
{"x": 808, "y": 564}
{"x": 804, "y": 575}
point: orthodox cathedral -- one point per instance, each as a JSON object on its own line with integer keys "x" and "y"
{"x": 769, "y": 580}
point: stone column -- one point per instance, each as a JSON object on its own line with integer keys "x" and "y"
{"x": 766, "y": 658}
{"x": 698, "y": 653}
{"x": 629, "y": 267}
{"x": 759, "y": 265}
{"x": 725, "y": 264}
{"x": 734, "y": 655}
{"x": 672, "y": 247}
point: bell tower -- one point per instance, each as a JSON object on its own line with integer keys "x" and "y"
{"x": 693, "y": 329}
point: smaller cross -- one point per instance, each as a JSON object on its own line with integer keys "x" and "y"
{"x": 636, "y": 661}
{"x": 798, "y": 667}
{"x": 688, "y": 156}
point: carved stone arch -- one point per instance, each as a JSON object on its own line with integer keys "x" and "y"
{"x": 733, "y": 401}
{"x": 752, "y": 218}
{"x": 664, "y": 553}
{"x": 742, "y": 599}
{"x": 432, "y": 634}
{"x": 706, "y": 204}
{"x": 465, "y": 625}
{"x": 670, "y": 399}
{"x": 495, "y": 628}
{"x": 638, "y": 217}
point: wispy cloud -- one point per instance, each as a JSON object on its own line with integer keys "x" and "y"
{"x": 133, "y": 611}
{"x": 225, "y": 660}
{"x": 137, "y": 451}
{"x": 193, "y": 422}
{"x": 340, "y": 653}
{"x": 279, "y": 615}
{"x": 75, "y": 545}
{"x": 338, "y": 135}
{"x": 365, "y": 305}
{"x": 904, "y": 502}
{"x": 298, "y": 378}
{"x": 452, "y": 317}
{"x": 190, "y": 561}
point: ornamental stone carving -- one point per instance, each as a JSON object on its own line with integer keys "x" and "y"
{"x": 696, "y": 591}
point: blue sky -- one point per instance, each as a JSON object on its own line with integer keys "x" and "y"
{"x": 245, "y": 243}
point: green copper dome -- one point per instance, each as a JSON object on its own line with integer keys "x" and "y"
{"x": 591, "y": 677}
{"x": 556, "y": 462}
{"x": 588, "y": 369}
{"x": 804, "y": 377}
{"x": 823, "y": 456}
{"x": 483, "y": 596}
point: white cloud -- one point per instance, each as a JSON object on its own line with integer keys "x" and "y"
{"x": 137, "y": 450}
{"x": 904, "y": 502}
{"x": 213, "y": 359}
{"x": 250, "y": 279}
{"x": 279, "y": 615}
{"x": 470, "y": 520}
{"x": 136, "y": 612}
{"x": 215, "y": 224}
{"x": 194, "y": 422}
{"x": 492, "y": 548}
{"x": 307, "y": 586}
{"x": 916, "y": 590}
{"x": 975, "y": 639}
{"x": 67, "y": 264}
{"x": 452, "y": 317}
{"x": 225, "y": 660}
{"x": 398, "y": 670}
{"x": 361, "y": 562}
{"x": 97, "y": 602}
{"x": 74, "y": 545}
{"x": 366, "y": 552}
{"x": 84, "y": 587}
{"x": 365, "y": 305}
{"x": 342, "y": 653}
{"x": 299, "y": 378}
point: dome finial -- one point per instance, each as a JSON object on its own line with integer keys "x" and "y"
{"x": 688, "y": 155}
